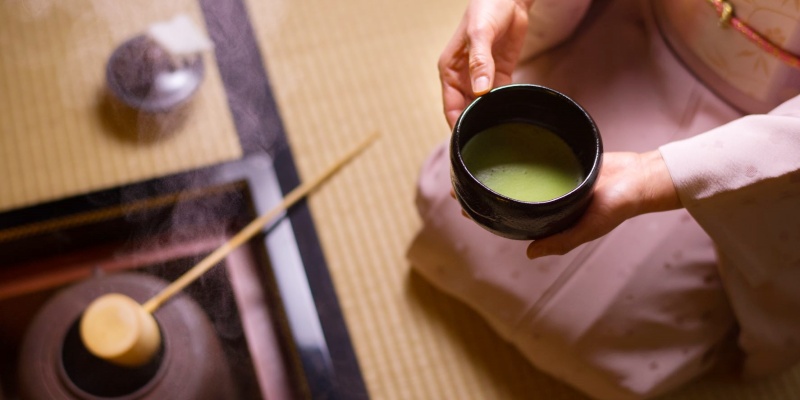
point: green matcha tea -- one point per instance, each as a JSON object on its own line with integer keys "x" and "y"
{"x": 522, "y": 161}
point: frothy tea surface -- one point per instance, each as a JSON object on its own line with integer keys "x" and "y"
{"x": 522, "y": 161}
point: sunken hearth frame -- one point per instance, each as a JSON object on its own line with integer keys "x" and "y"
{"x": 313, "y": 329}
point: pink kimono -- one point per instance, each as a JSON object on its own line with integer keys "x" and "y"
{"x": 647, "y": 307}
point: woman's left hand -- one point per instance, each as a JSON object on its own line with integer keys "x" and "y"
{"x": 629, "y": 184}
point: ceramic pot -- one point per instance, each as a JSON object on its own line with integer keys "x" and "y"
{"x": 54, "y": 364}
{"x": 149, "y": 94}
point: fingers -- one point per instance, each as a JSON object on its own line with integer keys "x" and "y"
{"x": 454, "y": 75}
{"x": 502, "y": 78}
{"x": 481, "y": 62}
{"x": 482, "y": 53}
{"x": 454, "y": 103}
{"x": 565, "y": 241}
{"x": 463, "y": 212}
{"x": 466, "y": 70}
{"x": 555, "y": 245}
{"x": 613, "y": 202}
{"x": 534, "y": 251}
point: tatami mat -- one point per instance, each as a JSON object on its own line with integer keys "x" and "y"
{"x": 56, "y": 139}
{"x": 340, "y": 70}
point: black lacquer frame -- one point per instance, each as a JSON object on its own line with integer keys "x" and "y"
{"x": 325, "y": 359}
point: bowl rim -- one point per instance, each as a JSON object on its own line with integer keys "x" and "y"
{"x": 587, "y": 180}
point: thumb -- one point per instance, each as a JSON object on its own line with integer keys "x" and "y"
{"x": 557, "y": 244}
{"x": 481, "y": 67}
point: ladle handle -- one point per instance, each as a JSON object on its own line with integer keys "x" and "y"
{"x": 251, "y": 229}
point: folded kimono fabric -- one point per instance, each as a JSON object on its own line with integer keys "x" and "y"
{"x": 648, "y": 307}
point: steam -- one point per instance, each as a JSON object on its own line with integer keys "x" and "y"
{"x": 256, "y": 122}
{"x": 191, "y": 217}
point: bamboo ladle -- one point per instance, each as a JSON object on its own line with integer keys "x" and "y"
{"x": 118, "y": 329}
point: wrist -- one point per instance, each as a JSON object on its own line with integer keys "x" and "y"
{"x": 658, "y": 190}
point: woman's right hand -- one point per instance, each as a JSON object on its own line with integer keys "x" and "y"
{"x": 483, "y": 52}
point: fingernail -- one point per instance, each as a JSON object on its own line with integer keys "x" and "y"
{"x": 480, "y": 85}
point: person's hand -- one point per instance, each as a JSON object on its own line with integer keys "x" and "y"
{"x": 482, "y": 53}
{"x": 629, "y": 184}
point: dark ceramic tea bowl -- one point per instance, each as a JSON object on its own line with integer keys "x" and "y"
{"x": 546, "y": 108}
